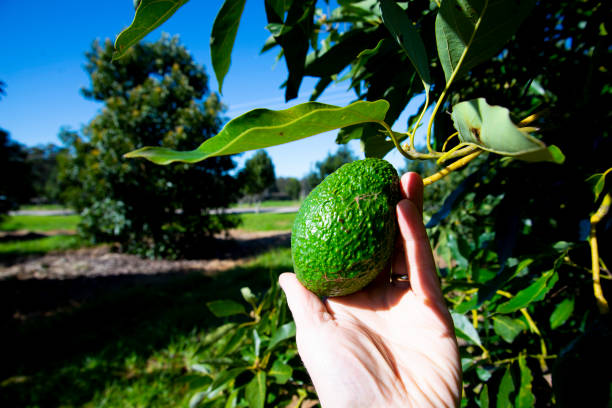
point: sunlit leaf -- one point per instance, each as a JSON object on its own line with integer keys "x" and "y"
{"x": 216, "y": 388}
{"x": 508, "y": 328}
{"x": 280, "y": 371}
{"x": 232, "y": 399}
{"x": 256, "y": 343}
{"x": 464, "y": 328}
{"x": 484, "y": 374}
{"x": 490, "y": 128}
{"x": 224, "y": 308}
{"x": 456, "y": 31}
{"x": 255, "y": 392}
{"x": 484, "y": 397}
{"x": 286, "y": 331}
{"x": 248, "y": 296}
{"x": 405, "y": 33}
{"x": 534, "y": 292}
{"x": 150, "y": 14}
{"x": 261, "y": 128}
{"x": 598, "y": 181}
{"x": 525, "y": 397}
{"x": 562, "y": 312}
{"x": 223, "y": 36}
{"x": 506, "y": 388}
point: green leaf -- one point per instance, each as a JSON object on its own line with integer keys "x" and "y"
{"x": 256, "y": 342}
{"x": 280, "y": 371}
{"x": 261, "y": 128}
{"x": 232, "y": 399}
{"x": 599, "y": 181}
{"x": 223, "y": 36}
{"x": 562, "y": 312}
{"x": 293, "y": 32}
{"x": 286, "y": 331}
{"x": 457, "y": 31}
{"x": 508, "y": 328}
{"x": 534, "y": 292}
{"x": 405, "y": 33}
{"x": 248, "y": 295}
{"x": 490, "y": 128}
{"x": 255, "y": 392}
{"x": 150, "y": 14}
{"x": 464, "y": 328}
{"x": 341, "y": 54}
{"x": 525, "y": 397}
{"x": 224, "y": 308}
{"x": 506, "y": 388}
{"x": 219, "y": 384}
{"x": 484, "y": 397}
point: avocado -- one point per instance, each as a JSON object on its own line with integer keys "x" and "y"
{"x": 344, "y": 233}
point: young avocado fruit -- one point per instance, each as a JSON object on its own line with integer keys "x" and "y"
{"x": 344, "y": 233}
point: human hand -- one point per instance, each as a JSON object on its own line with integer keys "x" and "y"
{"x": 391, "y": 344}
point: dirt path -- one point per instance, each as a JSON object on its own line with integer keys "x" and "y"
{"x": 237, "y": 248}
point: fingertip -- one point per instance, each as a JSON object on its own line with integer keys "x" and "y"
{"x": 412, "y": 189}
{"x": 305, "y": 306}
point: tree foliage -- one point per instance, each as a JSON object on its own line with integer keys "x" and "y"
{"x": 42, "y": 161}
{"x": 516, "y": 242}
{"x": 156, "y": 95}
{"x": 325, "y": 167}
{"x": 15, "y": 188}
{"x": 257, "y": 174}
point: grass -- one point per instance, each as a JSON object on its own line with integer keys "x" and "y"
{"x": 125, "y": 341}
{"x": 270, "y": 203}
{"x": 36, "y": 223}
{"x": 267, "y": 222}
{"x": 39, "y": 245}
{"x": 35, "y": 242}
{"x": 43, "y": 207}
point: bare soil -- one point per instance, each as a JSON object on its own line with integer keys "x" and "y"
{"x": 236, "y": 248}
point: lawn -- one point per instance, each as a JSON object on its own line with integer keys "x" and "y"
{"x": 39, "y": 226}
{"x": 269, "y": 203}
{"x": 267, "y": 222}
{"x": 36, "y": 241}
{"x": 130, "y": 341}
{"x": 36, "y": 223}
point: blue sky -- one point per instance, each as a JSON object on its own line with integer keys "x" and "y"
{"x": 43, "y": 58}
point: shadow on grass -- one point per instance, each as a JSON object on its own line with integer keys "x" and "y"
{"x": 63, "y": 341}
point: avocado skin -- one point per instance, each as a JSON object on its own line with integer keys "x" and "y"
{"x": 344, "y": 233}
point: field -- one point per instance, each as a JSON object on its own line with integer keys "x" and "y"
{"x": 116, "y": 339}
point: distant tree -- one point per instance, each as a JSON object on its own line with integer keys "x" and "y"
{"x": 42, "y": 161}
{"x": 257, "y": 174}
{"x": 327, "y": 166}
{"x": 155, "y": 95}
{"x": 294, "y": 188}
{"x": 15, "y": 188}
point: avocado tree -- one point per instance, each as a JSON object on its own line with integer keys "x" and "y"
{"x": 157, "y": 95}
{"x": 519, "y": 232}
{"x": 325, "y": 167}
{"x": 257, "y": 175}
{"x": 15, "y": 188}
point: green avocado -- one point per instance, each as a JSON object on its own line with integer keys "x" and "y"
{"x": 344, "y": 233}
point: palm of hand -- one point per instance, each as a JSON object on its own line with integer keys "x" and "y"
{"x": 391, "y": 344}
{"x": 384, "y": 347}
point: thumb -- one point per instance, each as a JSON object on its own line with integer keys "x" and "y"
{"x": 306, "y": 307}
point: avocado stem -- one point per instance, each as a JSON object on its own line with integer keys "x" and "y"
{"x": 450, "y": 168}
{"x": 601, "y": 212}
